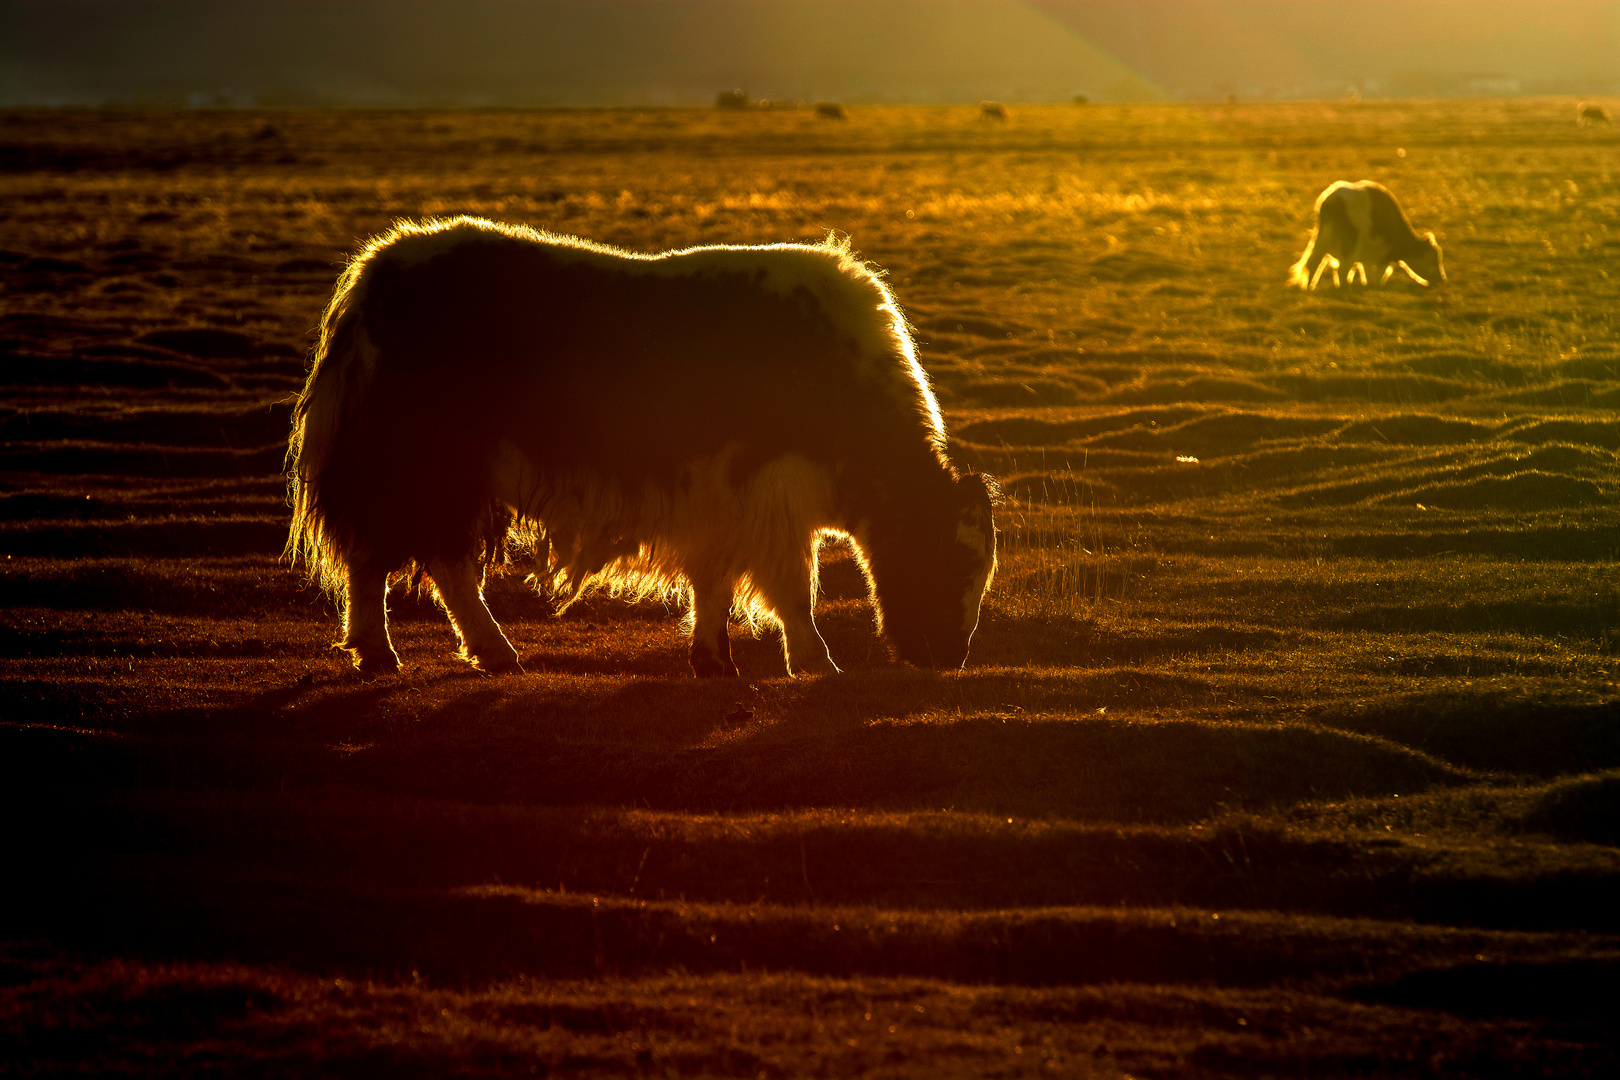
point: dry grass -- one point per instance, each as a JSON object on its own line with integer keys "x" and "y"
{"x": 1289, "y": 740}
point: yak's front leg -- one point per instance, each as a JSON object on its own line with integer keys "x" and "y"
{"x": 788, "y": 589}
{"x": 365, "y": 620}
{"x": 711, "y": 613}
{"x": 482, "y": 642}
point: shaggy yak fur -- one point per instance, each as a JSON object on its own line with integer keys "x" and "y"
{"x": 693, "y": 423}
{"x": 1361, "y": 225}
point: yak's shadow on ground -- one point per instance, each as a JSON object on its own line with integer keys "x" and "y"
{"x": 892, "y": 738}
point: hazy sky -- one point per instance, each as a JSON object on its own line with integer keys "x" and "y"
{"x": 682, "y": 51}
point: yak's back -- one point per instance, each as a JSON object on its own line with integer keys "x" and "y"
{"x": 498, "y": 258}
{"x": 585, "y": 353}
{"x": 1369, "y": 206}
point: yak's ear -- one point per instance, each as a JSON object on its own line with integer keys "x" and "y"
{"x": 977, "y": 491}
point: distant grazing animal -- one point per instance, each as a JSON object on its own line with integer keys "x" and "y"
{"x": 1361, "y": 225}
{"x": 993, "y": 110}
{"x": 831, "y": 110}
{"x": 692, "y": 424}
{"x": 1589, "y": 112}
{"x": 731, "y": 99}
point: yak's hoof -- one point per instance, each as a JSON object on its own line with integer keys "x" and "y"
{"x": 706, "y": 665}
{"x": 502, "y": 663}
{"x": 372, "y": 665}
{"x": 824, "y": 667}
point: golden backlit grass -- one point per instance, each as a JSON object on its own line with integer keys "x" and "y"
{"x": 1306, "y": 619}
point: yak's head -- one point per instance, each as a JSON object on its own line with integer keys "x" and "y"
{"x": 1426, "y": 266}
{"x": 931, "y": 585}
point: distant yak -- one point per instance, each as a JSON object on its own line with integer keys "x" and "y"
{"x": 1590, "y": 112}
{"x": 1359, "y": 226}
{"x": 831, "y": 110}
{"x": 994, "y": 110}
{"x": 692, "y": 424}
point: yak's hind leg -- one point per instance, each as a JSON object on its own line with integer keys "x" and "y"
{"x": 711, "y": 613}
{"x": 1337, "y": 238}
{"x": 365, "y": 620}
{"x": 1328, "y": 264}
{"x": 1314, "y": 262}
{"x": 789, "y": 588}
{"x": 482, "y": 642}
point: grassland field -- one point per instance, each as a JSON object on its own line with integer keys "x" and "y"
{"x": 1290, "y": 739}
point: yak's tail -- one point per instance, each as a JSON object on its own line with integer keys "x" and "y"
{"x": 1300, "y": 273}
{"x": 333, "y": 393}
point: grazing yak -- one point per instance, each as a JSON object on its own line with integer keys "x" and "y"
{"x": 1360, "y": 225}
{"x": 1590, "y": 112}
{"x": 994, "y": 110}
{"x": 691, "y": 424}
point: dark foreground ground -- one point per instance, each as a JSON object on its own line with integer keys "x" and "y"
{"x": 1289, "y": 745}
